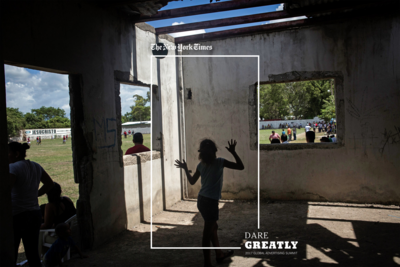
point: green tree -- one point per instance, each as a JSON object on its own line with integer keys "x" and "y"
{"x": 15, "y": 121}
{"x": 58, "y": 122}
{"x": 318, "y": 91}
{"x": 33, "y": 121}
{"x": 139, "y": 111}
{"x": 49, "y": 112}
{"x": 297, "y": 98}
{"x": 273, "y": 101}
{"x": 328, "y": 110}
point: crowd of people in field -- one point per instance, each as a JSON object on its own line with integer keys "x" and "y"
{"x": 285, "y": 137}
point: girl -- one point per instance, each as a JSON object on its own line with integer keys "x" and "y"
{"x": 210, "y": 169}
{"x": 58, "y": 210}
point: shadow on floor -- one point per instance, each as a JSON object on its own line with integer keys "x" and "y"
{"x": 327, "y": 234}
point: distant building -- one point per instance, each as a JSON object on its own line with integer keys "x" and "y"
{"x": 43, "y": 133}
{"x": 137, "y": 126}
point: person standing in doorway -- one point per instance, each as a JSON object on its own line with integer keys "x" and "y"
{"x": 211, "y": 169}
{"x": 25, "y": 177}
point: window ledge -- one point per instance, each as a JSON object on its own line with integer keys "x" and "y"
{"x": 300, "y": 146}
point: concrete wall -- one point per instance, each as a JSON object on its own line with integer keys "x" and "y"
{"x": 219, "y": 110}
{"x": 91, "y": 44}
{"x": 364, "y": 170}
{"x": 169, "y": 100}
{"x": 137, "y": 181}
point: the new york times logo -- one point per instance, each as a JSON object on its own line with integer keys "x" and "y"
{"x": 258, "y": 241}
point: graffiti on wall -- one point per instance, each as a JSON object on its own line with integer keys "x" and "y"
{"x": 105, "y": 132}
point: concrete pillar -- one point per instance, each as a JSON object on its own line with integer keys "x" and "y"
{"x": 6, "y": 227}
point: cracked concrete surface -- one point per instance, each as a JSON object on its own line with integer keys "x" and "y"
{"x": 327, "y": 234}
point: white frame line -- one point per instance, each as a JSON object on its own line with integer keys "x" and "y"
{"x": 151, "y": 146}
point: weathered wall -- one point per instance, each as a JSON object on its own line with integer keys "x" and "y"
{"x": 79, "y": 38}
{"x": 218, "y": 110}
{"x": 148, "y": 73}
{"x": 169, "y": 100}
{"x": 6, "y": 236}
{"x": 137, "y": 181}
{"x": 98, "y": 48}
{"x": 365, "y": 169}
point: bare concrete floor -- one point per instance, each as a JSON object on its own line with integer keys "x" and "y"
{"x": 327, "y": 234}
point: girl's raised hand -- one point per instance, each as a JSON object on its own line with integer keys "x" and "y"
{"x": 182, "y": 165}
{"x": 232, "y": 146}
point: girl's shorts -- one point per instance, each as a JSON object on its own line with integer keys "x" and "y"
{"x": 208, "y": 208}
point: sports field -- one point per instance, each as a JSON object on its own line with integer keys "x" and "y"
{"x": 300, "y": 137}
{"x": 56, "y": 158}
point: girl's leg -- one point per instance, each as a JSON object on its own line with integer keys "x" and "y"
{"x": 207, "y": 233}
{"x": 215, "y": 241}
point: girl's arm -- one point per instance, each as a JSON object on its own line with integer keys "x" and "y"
{"x": 192, "y": 179}
{"x": 232, "y": 165}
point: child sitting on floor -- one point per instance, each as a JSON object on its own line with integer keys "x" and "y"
{"x": 60, "y": 247}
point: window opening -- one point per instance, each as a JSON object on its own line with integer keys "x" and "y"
{"x": 289, "y": 110}
{"x": 38, "y": 113}
{"x": 135, "y": 115}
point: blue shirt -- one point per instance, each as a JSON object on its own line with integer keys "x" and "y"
{"x": 57, "y": 251}
{"x": 211, "y": 178}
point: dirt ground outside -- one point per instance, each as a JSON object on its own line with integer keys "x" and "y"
{"x": 328, "y": 234}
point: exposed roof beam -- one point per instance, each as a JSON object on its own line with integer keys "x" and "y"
{"x": 262, "y": 17}
{"x": 387, "y": 9}
{"x": 224, "y": 22}
{"x": 240, "y": 31}
{"x": 209, "y": 8}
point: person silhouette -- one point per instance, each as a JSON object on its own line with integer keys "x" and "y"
{"x": 210, "y": 169}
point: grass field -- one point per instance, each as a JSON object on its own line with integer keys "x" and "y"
{"x": 56, "y": 158}
{"x": 300, "y": 137}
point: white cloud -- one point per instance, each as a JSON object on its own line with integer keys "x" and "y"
{"x": 126, "y": 94}
{"x": 187, "y": 33}
{"x": 27, "y": 91}
{"x": 280, "y": 8}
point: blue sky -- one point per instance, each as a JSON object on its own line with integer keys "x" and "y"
{"x": 28, "y": 89}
